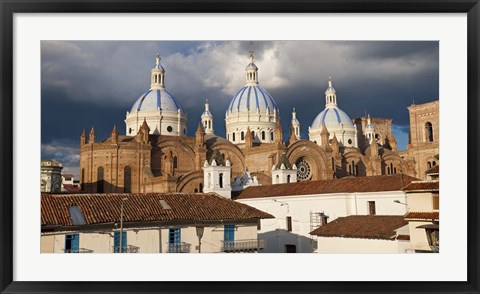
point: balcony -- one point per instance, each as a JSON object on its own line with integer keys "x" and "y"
{"x": 78, "y": 250}
{"x": 180, "y": 247}
{"x": 126, "y": 249}
{"x": 248, "y": 245}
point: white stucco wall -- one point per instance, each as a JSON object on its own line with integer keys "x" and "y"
{"x": 148, "y": 239}
{"x": 274, "y": 231}
{"x": 355, "y": 245}
{"x": 422, "y": 202}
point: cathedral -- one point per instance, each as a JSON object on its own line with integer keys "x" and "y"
{"x": 156, "y": 155}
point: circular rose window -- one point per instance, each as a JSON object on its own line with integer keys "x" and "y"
{"x": 304, "y": 171}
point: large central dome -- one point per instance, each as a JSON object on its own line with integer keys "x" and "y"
{"x": 158, "y": 108}
{"x": 155, "y": 99}
{"x": 252, "y": 109}
{"x": 252, "y": 98}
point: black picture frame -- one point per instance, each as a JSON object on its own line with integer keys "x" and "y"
{"x": 9, "y": 7}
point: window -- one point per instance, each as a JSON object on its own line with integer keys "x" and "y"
{"x": 371, "y": 208}
{"x": 174, "y": 240}
{"x": 72, "y": 243}
{"x": 76, "y": 215}
{"x": 349, "y": 141}
{"x": 229, "y": 237}
{"x": 233, "y": 137}
{"x": 242, "y": 136}
{"x": 116, "y": 242}
{"x": 429, "y": 165}
{"x": 169, "y": 129}
{"x": 100, "y": 179}
{"x": 277, "y": 179}
{"x": 429, "y": 131}
{"x": 127, "y": 180}
{"x": 129, "y": 130}
{"x": 290, "y": 248}
{"x": 263, "y": 135}
{"x": 200, "y": 188}
{"x": 436, "y": 202}
{"x": 289, "y": 223}
{"x": 175, "y": 162}
{"x": 288, "y": 178}
{"x": 220, "y": 180}
{"x": 209, "y": 124}
{"x": 271, "y": 136}
{"x": 209, "y": 178}
{"x": 184, "y": 131}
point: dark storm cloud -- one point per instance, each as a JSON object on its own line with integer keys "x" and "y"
{"x": 89, "y": 83}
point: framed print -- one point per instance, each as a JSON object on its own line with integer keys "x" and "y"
{"x": 267, "y": 128}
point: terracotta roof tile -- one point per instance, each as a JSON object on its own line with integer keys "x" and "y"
{"x": 434, "y": 170}
{"x": 423, "y": 215}
{"x": 105, "y": 208}
{"x": 421, "y": 186}
{"x": 343, "y": 185}
{"x": 362, "y": 226}
{"x": 403, "y": 237}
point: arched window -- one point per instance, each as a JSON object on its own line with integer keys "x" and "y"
{"x": 429, "y": 131}
{"x": 253, "y": 135}
{"x": 209, "y": 124}
{"x": 127, "y": 180}
{"x": 233, "y": 137}
{"x": 195, "y": 190}
{"x": 200, "y": 188}
{"x": 271, "y": 136}
{"x": 175, "y": 162}
{"x": 263, "y": 135}
{"x": 288, "y": 178}
{"x": 100, "y": 179}
{"x": 209, "y": 178}
{"x": 242, "y": 136}
{"x": 220, "y": 180}
{"x": 392, "y": 170}
{"x": 434, "y": 163}
{"x": 277, "y": 179}
{"x": 429, "y": 164}
{"x": 82, "y": 180}
{"x": 388, "y": 170}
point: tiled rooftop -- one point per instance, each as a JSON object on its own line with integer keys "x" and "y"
{"x": 420, "y": 186}
{"x": 343, "y": 185}
{"x": 363, "y": 227}
{"x": 105, "y": 208}
{"x": 423, "y": 215}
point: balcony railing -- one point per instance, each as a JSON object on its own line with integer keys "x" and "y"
{"x": 79, "y": 250}
{"x": 180, "y": 247}
{"x": 126, "y": 249}
{"x": 249, "y": 245}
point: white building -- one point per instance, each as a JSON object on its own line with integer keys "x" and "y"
{"x": 301, "y": 207}
{"x": 51, "y": 176}
{"x": 148, "y": 223}
{"x": 423, "y": 213}
{"x": 158, "y": 107}
{"x": 336, "y": 121}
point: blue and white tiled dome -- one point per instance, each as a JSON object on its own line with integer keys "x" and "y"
{"x": 332, "y": 116}
{"x": 251, "y": 98}
{"x": 154, "y": 99}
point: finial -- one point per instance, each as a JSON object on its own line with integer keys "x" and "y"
{"x": 329, "y": 81}
{"x": 251, "y": 52}
{"x": 158, "y": 58}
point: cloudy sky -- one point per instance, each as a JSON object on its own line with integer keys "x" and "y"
{"x": 94, "y": 83}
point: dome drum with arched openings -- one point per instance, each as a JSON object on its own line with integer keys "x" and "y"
{"x": 158, "y": 107}
{"x": 252, "y": 108}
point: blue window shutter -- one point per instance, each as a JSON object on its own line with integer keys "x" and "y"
{"x": 116, "y": 242}
{"x": 229, "y": 233}
{"x": 174, "y": 239}
{"x": 72, "y": 243}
